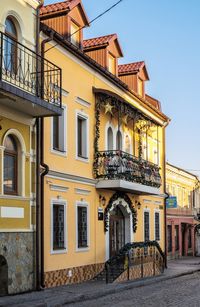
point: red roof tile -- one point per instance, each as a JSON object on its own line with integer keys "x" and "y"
{"x": 55, "y": 7}
{"x": 98, "y": 41}
{"x": 131, "y": 67}
{"x": 154, "y": 102}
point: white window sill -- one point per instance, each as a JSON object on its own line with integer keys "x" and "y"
{"x": 86, "y": 160}
{"x": 82, "y": 249}
{"x": 59, "y": 153}
{"x": 59, "y": 251}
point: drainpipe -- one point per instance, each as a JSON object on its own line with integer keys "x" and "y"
{"x": 44, "y": 173}
{"x": 38, "y": 159}
{"x": 166, "y": 194}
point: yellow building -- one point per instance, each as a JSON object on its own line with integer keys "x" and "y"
{"x": 25, "y": 94}
{"x": 106, "y": 154}
{"x": 183, "y": 189}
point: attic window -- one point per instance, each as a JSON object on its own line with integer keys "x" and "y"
{"x": 140, "y": 87}
{"x": 111, "y": 64}
{"x": 75, "y": 34}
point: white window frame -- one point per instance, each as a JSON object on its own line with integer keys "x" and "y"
{"x": 86, "y": 205}
{"x": 85, "y": 117}
{"x": 147, "y": 210}
{"x": 54, "y": 151}
{"x": 64, "y": 203}
{"x": 157, "y": 211}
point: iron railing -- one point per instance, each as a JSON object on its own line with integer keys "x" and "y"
{"x": 117, "y": 164}
{"x": 25, "y": 69}
{"x": 148, "y": 257}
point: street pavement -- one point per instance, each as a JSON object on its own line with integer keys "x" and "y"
{"x": 182, "y": 291}
{"x": 179, "y": 282}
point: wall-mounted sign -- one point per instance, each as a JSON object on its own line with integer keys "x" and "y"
{"x": 100, "y": 214}
{"x": 171, "y": 202}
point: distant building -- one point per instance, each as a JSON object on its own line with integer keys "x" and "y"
{"x": 182, "y": 210}
{"x": 26, "y": 94}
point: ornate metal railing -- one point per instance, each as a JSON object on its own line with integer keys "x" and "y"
{"x": 116, "y": 164}
{"x": 23, "y": 68}
{"x": 147, "y": 256}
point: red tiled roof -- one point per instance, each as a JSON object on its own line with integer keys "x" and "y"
{"x": 131, "y": 67}
{"x": 98, "y": 41}
{"x": 56, "y": 7}
{"x": 156, "y": 103}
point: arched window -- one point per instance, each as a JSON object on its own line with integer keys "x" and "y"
{"x": 10, "y": 165}
{"x": 109, "y": 139}
{"x": 127, "y": 144}
{"x": 119, "y": 140}
{"x": 10, "y": 46}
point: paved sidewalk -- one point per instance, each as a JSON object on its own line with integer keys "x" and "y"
{"x": 94, "y": 289}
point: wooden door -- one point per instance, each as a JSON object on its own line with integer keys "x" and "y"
{"x": 117, "y": 231}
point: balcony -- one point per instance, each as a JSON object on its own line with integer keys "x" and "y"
{"x": 28, "y": 83}
{"x": 118, "y": 170}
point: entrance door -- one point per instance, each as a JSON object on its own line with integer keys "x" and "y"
{"x": 117, "y": 231}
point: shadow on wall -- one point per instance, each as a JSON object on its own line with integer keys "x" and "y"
{"x": 3, "y": 276}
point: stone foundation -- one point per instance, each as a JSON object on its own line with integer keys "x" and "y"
{"x": 72, "y": 275}
{"x": 18, "y": 251}
{"x": 135, "y": 272}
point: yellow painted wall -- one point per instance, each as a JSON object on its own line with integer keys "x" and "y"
{"x": 78, "y": 81}
{"x": 25, "y": 22}
{"x": 20, "y": 200}
{"x": 180, "y": 184}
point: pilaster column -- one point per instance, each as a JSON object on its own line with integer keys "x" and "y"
{"x": 186, "y": 240}
{"x": 2, "y": 148}
{"x": 180, "y": 240}
{"x": 173, "y": 239}
{"x": 193, "y": 240}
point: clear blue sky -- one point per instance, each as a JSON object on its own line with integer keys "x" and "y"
{"x": 166, "y": 34}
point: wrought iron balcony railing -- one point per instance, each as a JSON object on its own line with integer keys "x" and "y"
{"x": 26, "y": 70}
{"x": 116, "y": 164}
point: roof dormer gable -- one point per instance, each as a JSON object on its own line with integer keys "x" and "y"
{"x": 134, "y": 75}
{"x": 68, "y": 18}
{"x": 105, "y": 50}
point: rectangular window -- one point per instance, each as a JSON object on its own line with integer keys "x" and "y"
{"x": 169, "y": 238}
{"x": 157, "y": 226}
{"x": 75, "y": 34}
{"x": 82, "y": 226}
{"x": 176, "y": 237}
{"x": 82, "y": 137}
{"x": 59, "y": 133}
{"x": 146, "y": 226}
{"x": 140, "y": 87}
{"x": 111, "y": 64}
{"x": 58, "y": 227}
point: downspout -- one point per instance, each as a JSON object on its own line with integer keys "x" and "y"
{"x": 45, "y": 167}
{"x": 38, "y": 159}
{"x": 166, "y": 194}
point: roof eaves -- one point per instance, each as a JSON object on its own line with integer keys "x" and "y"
{"x": 47, "y": 30}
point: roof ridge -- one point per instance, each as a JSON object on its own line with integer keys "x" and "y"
{"x": 100, "y": 36}
{"x": 137, "y": 62}
{"x": 54, "y": 3}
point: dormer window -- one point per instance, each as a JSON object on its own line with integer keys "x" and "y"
{"x": 140, "y": 87}
{"x": 75, "y": 34}
{"x": 111, "y": 64}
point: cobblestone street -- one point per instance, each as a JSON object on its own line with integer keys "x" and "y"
{"x": 182, "y": 291}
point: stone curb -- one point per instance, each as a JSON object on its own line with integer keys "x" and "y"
{"x": 100, "y": 293}
{"x": 122, "y": 287}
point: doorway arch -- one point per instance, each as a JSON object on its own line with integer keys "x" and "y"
{"x": 120, "y": 222}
